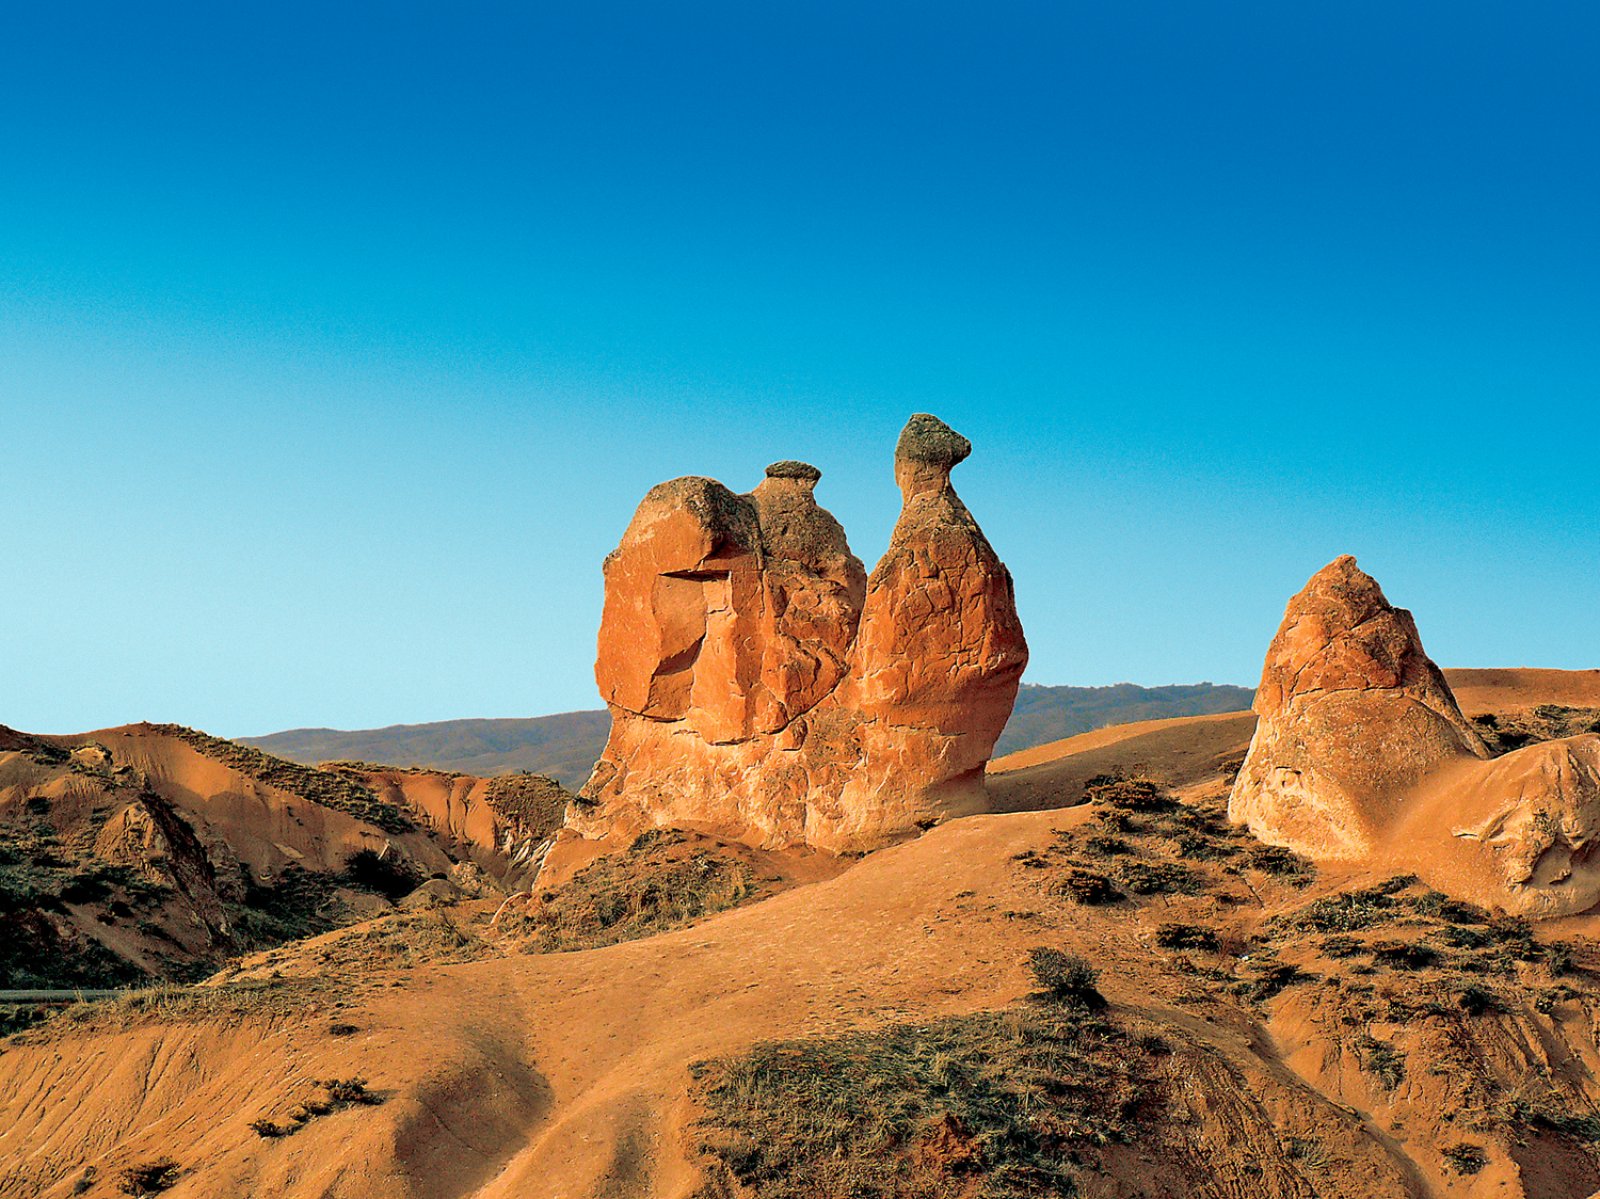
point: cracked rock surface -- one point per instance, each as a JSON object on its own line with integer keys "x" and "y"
{"x": 763, "y": 687}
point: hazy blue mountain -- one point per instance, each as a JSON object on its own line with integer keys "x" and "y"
{"x": 565, "y": 746}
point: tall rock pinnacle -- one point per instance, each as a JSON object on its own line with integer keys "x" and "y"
{"x": 761, "y": 685}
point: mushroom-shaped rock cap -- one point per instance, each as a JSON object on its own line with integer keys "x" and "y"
{"x": 928, "y": 441}
{"x": 790, "y": 469}
{"x": 923, "y": 456}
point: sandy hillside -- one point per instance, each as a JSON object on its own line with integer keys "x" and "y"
{"x": 1308, "y": 1048}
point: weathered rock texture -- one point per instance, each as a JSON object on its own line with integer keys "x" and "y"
{"x": 1362, "y": 752}
{"x": 761, "y": 685}
{"x": 1353, "y": 714}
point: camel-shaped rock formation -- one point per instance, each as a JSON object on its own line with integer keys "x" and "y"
{"x": 762, "y": 687}
{"x": 1362, "y": 753}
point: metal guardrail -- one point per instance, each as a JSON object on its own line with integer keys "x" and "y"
{"x": 47, "y": 997}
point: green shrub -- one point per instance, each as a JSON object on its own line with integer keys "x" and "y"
{"x": 149, "y": 1179}
{"x": 1087, "y": 887}
{"x": 1186, "y": 936}
{"x": 1466, "y": 1158}
{"x": 1064, "y": 977}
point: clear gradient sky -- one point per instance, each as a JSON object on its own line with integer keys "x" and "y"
{"x": 339, "y": 341}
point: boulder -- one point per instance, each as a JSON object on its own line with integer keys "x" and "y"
{"x": 763, "y": 688}
{"x": 1530, "y": 822}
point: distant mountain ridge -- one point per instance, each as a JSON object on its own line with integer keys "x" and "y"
{"x": 565, "y": 746}
{"x": 1044, "y": 714}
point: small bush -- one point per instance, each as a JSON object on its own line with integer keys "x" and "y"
{"x": 1064, "y": 977}
{"x": 1159, "y": 878}
{"x": 149, "y": 1179}
{"x": 1477, "y": 1001}
{"x": 1276, "y": 860}
{"x": 1346, "y": 912}
{"x": 1133, "y": 795}
{"x": 1087, "y": 887}
{"x": 342, "y": 1030}
{"x": 1403, "y": 955}
{"x": 1186, "y": 936}
{"x": 348, "y": 1091}
{"x": 1466, "y": 1158}
{"x": 1384, "y": 1061}
{"x": 1273, "y": 980}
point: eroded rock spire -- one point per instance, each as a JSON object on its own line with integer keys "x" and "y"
{"x": 762, "y": 686}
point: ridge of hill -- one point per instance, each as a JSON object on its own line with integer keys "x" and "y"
{"x": 566, "y": 745}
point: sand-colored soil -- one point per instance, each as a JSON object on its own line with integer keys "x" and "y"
{"x": 567, "y": 1075}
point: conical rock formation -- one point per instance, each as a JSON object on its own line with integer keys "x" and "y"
{"x": 1361, "y": 752}
{"x": 762, "y": 687}
{"x": 1353, "y": 714}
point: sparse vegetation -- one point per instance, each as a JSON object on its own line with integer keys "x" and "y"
{"x": 1504, "y": 732}
{"x": 534, "y": 803}
{"x": 1159, "y": 878}
{"x": 170, "y": 1003}
{"x": 151, "y": 1178}
{"x": 40, "y": 945}
{"x": 663, "y": 881}
{"x": 331, "y": 1095}
{"x": 1064, "y": 977}
{"x": 402, "y": 939}
{"x": 996, "y": 1104}
{"x": 1466, "y": 1158}
{"x": 1383, "y": 1061}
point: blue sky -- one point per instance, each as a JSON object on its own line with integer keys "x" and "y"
{"x": 336, "y": 347}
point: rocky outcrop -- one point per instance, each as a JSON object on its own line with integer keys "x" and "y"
{"x": 762, "y": 686}
{"x": 1361, "y": 752}
{"x": 1532, "y": 821}
{"x": 1353, "y": 715}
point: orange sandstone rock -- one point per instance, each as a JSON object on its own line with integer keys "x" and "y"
{"x": 1353, "y": 714}
{"x": 762, "y": 687}
{"x": 1362, "y": 752}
